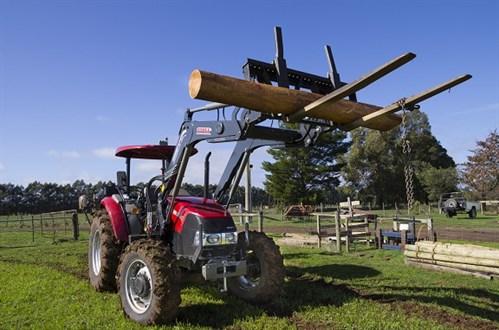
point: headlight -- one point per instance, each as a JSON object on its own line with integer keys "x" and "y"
{"x": 231, "y": 238}
{"x": 215, "y": 238}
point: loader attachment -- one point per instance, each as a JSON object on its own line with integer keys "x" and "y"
{"x": 408, "y": 102}
{"x": 267, "y": 89}
{"x": 348, "y": 89}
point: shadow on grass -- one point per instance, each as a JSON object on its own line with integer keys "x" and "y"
{"x": 422, "y": 295}
{"x": 315, "y": 286}
{"x": 305, "y": 287}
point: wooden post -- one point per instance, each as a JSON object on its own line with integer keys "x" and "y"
{"x": 403, "y": 239}
{"x": 32, "y": 228}
{"x": 260, "y": 221}
{"x": 350, "y": 208}
{"x": 76, "y": 230}
{"x": 319, "y": 243}
{"x": 430, "y": 229}
{"x": 338, "y": 230}
{"x": 347, "y": 235}
{"x": 379, "y": 239}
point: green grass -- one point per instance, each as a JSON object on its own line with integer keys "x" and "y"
{"x": 46, "y": 287}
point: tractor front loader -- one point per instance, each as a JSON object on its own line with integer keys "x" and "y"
{"x": 144, "y": 242}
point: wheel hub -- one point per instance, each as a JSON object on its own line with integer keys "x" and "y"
{"x": 140, "y": 285}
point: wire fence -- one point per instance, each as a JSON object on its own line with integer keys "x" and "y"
{"x": 42, "y": 228}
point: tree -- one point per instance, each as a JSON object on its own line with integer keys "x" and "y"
{"x": 437, "y": 181}
{"x": 374, "y": 170}
{"x": 481, "y": 172}
{"x": 303, "y": 175}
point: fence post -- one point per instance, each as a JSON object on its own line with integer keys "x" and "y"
{"x": 53, "y": 228}
{"x": 32, "y": 229}
{"x": 76, "y": 229}
{"x": 260, "y": 221}
{"x": 337, "y": 227}
{"x": 379, "y": 238}
{"x": 319, "y": 238}
{"x": 347, "y": 236}
{"x": 403, "y": 239}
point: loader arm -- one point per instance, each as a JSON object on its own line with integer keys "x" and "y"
{"x": 248, "y": 129}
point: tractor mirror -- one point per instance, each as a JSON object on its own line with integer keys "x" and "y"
{"x": 121, "y": 179}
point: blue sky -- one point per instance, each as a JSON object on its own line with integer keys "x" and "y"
{"x": 80, "y": 78}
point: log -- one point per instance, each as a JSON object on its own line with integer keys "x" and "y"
{"x": 451, "y": 258}
{"x": 475, "y": 268}
{"x": 468, "y": 250}
{"x": 448, "y": 269}
{"x": 278, "y": 100}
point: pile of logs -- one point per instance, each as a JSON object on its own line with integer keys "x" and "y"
{"x": 458, "y": 258}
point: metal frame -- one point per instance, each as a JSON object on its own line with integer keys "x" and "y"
{"x": 249, "y": 129}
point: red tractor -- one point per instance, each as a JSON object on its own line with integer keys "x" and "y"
{"x": 145, "y": 241}
{"x": 133, "y": 247}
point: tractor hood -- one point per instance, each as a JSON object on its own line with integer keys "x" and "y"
{"x": 201, "y": 208}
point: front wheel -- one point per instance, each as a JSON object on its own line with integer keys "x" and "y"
{"x": 149, "y": 282}
{"x": 264, "y": 277}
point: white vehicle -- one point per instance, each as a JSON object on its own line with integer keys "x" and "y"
{"x": 453, "y": 202}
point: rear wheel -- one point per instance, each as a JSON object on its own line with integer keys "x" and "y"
{"x": 472, "y": 212}
{"x": 103, "y": 253}
{"x": 149, "y": 282}
{"x": 264, "y": 278}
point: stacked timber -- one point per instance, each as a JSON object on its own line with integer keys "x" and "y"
{"x": 459, "y": 258}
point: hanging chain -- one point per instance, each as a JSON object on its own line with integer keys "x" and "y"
{"x": 406, "y": 149}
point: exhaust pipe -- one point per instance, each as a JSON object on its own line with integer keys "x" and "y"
{"x": 206, "y": 174}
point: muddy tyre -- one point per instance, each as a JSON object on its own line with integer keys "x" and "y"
{"x": 149, "y": 282}
{"x": 264, "y": 278}
{"x": 103, "y": 253}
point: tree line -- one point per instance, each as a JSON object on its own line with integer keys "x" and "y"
{"x": 39, "y": 197}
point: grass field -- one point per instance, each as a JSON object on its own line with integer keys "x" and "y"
{"x": 45, "y": 286}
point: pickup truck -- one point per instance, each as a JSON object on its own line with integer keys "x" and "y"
{"x": 453, "y": 202}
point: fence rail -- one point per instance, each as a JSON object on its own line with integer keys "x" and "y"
{"x": 55, "y": 225}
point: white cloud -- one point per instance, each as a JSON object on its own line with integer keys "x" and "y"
{"x": 148, "y": 166}
{"x": 63, "y": 154}
{"x": 102, "y": 119}
{"x": 105, "y": 153}
{"x": 2, "y": 168}
{"x": 87, "y": 177}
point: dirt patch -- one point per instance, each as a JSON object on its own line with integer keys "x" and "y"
{"x": 465, "y": 234}
{"x": 477, "y": 235}
{"x": 442, "y": 316}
